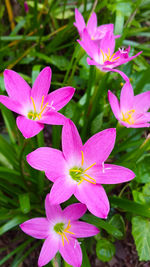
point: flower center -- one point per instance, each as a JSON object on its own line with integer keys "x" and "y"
{"x": 32, "y": 115}
{"x": 107, "y": 57}
{"x": 128, "y": 116}
{"x": 79, "y": 174}
{"x": 59, "y": 229}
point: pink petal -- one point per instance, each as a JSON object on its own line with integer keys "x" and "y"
{"x": 142, "y": 102}
{"x": 48, "y": 251}
{"x": 80, "y": 23}
{"x": 16, "y": 86}
{"x": 72, "y": 253}
{"x": 123, "y": 75}
{"x": 137, "y": 125}
{"x": 53, "y": 118}
{"x": 75, "y": 211}
{"x": 49, "y": 160}
{"x": 89, "y": 46}
{"x": 93, "y": 62}
{"x": 28, "y": 128}
{"x": 52, "y": 211}
{"x": 82, "y": 229}
{"x": 37, "y": 228}
{"x": 11, "y": 104}
{"x": 99, "y": 146}
{"x": 114, "y": 103}
{"x": 41, "y": 85}
{"x": 60, "y": 97}
{"x": 106, "y": 28}
{"x": 61, "y": 191}
{"x": 92, "y": 23}
{"x": 94, "y": 197}
{"x": 126, "y": 98}
{"x": 108, "y": 42}
{"x": 71, "y": 141}
{"x": 113, "y": 174}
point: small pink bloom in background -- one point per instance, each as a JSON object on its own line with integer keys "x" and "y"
{"x": 95, "y": 33}
{"x": 80, "y": 169}
{"x": 26, "y": 7}
{"x": 132, "y": 110}
{"x": 60, "y": 229}
{"x": 102, "y": 54}
{"x": 35, "y": 106}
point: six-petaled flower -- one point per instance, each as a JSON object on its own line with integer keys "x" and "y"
{"x": 35, "y": 106}
{"x": 60, "y": 229}
{"x": 80, "y": 169}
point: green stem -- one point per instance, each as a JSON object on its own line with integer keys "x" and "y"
{"x": 88, "y": 95}
{"x": 40, "y": 139}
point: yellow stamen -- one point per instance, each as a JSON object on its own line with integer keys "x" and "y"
{"x": 42, "y": 101}
{"x": 103, "y": 55}
{"x": 33, "y": 104}
{"x": 90, "y": 167}
{"x": 127, "y": 117}
{"x": 90, "y": 177}
{"x": 66, "y": 231}
{"x": 80, "y": 182}
{"x": 108, "y": 57}
{"x": 83, "y": 178}
{"x": 82, "y": 158}
{"x": 43, "y": 109}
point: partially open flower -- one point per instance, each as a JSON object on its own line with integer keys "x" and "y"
{"x": 132, "y": 110}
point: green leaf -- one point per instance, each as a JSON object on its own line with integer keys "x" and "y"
{"x": 85, "y": 260}
{"x": 105, "y": 250}
{"x": 35, "y": 72}
{"x": 12, "y": 223}
{"x": 118, "y": 222}
{"x": 141, "y": 234}
{"x": 130, "y": 206}
{"x": 24, "y": 201}
{"x": 111, "y": 229}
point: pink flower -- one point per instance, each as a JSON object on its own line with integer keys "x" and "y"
{"x": 95, "y": 33}
{"x": 35, "y": 106}
{"x": 26, "y": 7}
{"x": 132, "y": 110}
{"x": 60, "y": 230}
{"x": 80, "y": 169}
{"x": 102, "y": 53}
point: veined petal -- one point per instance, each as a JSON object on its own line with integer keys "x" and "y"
{"x": 52, "y": 211}
{"x": 29, "y": 128}
{"x": 82, "y": 229}
{"x": 113, "y": 174}
{"x": 75, "y": 211}
{"x": 16, "y": 86}
{"x": 71, "y": 252}
{"x": 126, "y": 98}
{"x": 60, "y": 97}
{"x": 53, "y": 118}
{"x": 92, "y": 23}
{"x": 114, "y": 103}
{"x": 11, "y": 104}
{"x": 61, "y": 191}
{"x": 94, "y": 197}
{"x": 41, "y": 85}
{"x": 37, "y": 228}
{"x": 49, "y": 160}
{"x": 71, "y": 141}
{"x": 48, "y": 251}
{"x": 142, "y": 102}
{"x": 99, "y": 146}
